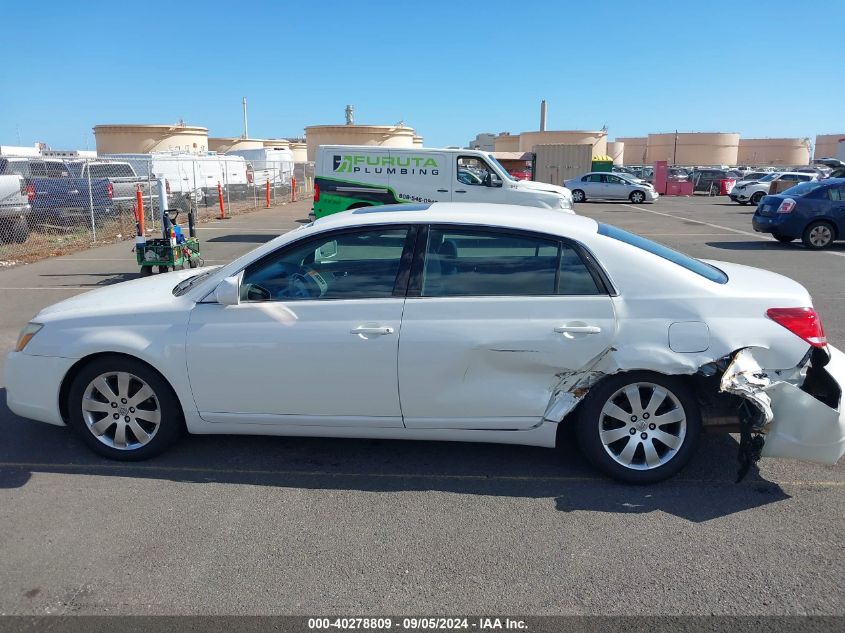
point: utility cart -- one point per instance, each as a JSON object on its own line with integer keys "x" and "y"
{"x": 165, "y": 253}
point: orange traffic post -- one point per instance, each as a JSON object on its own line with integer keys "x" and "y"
{"x": 267, "y": 193}
{"x": 139, "y": 207}
{"x": 220, "y": 198}
{"x": 293, "y": 189}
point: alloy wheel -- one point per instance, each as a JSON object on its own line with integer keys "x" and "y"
{"x": 642, "y": 436}
{"x": 820, "y": 236}
{"x": 121, "y": 410}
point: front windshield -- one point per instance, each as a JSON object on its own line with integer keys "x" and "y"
{"x": 502, "y": 170}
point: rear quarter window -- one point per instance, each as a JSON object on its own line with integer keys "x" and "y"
{"x": 691, "y": 264}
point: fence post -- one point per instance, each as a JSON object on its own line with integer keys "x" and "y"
{"x": 226, "y": 180}
{"x": 162, "y": 197}
{"x": 91, "y": 203}
{"x": 220, "y": 200}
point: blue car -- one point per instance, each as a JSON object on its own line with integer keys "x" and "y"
{"x": 812, "y": 211}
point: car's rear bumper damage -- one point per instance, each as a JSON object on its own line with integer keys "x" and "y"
{"x": 801, "y": 418}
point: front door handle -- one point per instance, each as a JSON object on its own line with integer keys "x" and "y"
{"x": 460, "y": 190}
{"x": 371, "y": 330}
{"x": 578, "y": 329}
{"x": 442, "y": 191}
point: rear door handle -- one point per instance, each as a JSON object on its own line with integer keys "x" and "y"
{"x": 460, "y": 190}
{"x": 443, "y": 191}
{"x": 578, "y": 329}
{"x": 371, "y": 330}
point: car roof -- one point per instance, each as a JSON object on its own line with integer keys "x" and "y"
{"x": 551, "y": 221}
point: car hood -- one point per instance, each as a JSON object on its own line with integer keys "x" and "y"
{"x": 135, "y": 295}
{"x": 532, "y": 185}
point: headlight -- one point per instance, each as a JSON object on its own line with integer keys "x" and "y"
{"x": 565, "y": 203}
{"x": 26, "y": 335}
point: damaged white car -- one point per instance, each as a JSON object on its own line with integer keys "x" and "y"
{"x": 478, "y": 323}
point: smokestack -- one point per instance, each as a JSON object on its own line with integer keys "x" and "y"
{"x": 350, "y": 115}
{"x": 543, "y": 115}
{"x": 246, "y": 126}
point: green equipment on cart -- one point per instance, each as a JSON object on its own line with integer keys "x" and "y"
{"x": 172, "y": 251}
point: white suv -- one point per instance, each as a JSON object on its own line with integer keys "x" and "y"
{"x": 752, "y": 191}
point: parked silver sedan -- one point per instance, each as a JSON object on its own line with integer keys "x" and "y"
{"x": 608, "y": 186}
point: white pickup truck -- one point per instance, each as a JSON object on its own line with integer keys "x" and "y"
{"x": 14, "y": 209}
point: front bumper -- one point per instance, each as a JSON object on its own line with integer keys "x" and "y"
{"x": 651, "y": 195}
{"x": 739, "y": 196}
{"x": 33, "y": 383}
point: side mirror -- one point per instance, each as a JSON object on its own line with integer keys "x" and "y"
{"x": 495, "y": 181}
{"x": 228, "y": 291}
{"x": 326, "y": 251}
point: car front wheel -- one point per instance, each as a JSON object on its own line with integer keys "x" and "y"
{"x": 639, "y": 427}
{"x": 578, "y": 196}
{"x": 637, "y": 197}
{"x": 755, "y": 199}
{"x": 124, "y": 409}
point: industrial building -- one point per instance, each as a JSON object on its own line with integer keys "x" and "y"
{"x": 485, "y": 142}
{"x": 636, "y": 149}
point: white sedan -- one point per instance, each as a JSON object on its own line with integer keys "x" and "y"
{"x": 610, "y": 186}
{"x": 487, "y": 323}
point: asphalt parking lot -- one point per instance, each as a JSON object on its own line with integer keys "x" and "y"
{"x": 246, "y": 525}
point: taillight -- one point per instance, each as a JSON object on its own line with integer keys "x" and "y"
{"x": 29, "y": 190}
{"x": 167, "y": 186}
{"x": 786, "y": 206}
{"x": 803, "y": 322}
{"x": 316, "y": 192}
{"x": 110, "y": 191}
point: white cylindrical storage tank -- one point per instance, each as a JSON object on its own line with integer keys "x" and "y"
{"x": 616, "y": 150}
{"x": 598, "y": 139}
{"x": 506, "y": 142}
{"x": 417, "y": 141}
{"x": 384, "y": 135}
{"x": 693, "y": 148}
{"x": 635, "y": 149}
{"x": 774, "y": 151}
{"x": 143, "y": 139}
{"x": 223, "y": 144}
{"x": 827, "y": 145}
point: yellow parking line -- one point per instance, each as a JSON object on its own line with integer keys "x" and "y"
{"x": 322, "y": 473}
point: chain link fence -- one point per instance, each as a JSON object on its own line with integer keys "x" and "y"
{"x": 53, "y": 206}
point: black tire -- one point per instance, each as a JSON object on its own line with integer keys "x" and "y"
{"x": 592, "y": 422}
{"x": 19, "y": 230}
{"x": 578, "y": 196}
{"x": 818, "y": 235}
{"x": 170, "y": 427}
{"x": 163, "y": 269}
{"x": 756, "y": 197}
{"x": 637, "y": 197}
{"x": 783, "y": 239}
{"x": 193, "y": 262}
{"x": 743, "y": 202}
{"x": 146, "y": 271}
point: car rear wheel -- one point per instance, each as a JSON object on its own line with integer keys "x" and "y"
{"x": 578, "y": 196}
{"x": 123, "y": 409}
{"x": 639, "y": 427}
{"x": 756, "y": 197}
{"x": 637, "y": 197}
{"x": 818, "y": 235}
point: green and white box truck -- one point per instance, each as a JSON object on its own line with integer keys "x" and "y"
{"x": 352, "y": 176}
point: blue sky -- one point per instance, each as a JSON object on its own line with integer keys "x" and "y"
{"x": 448, "y": 69}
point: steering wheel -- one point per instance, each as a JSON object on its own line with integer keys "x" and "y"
{"x": 306, "y": 283}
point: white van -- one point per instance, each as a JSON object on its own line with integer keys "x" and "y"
{"x": 269, "y": 164}
{"x": 352, "y": 176}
